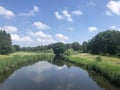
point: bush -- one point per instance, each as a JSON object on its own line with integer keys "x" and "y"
{"x": 118, "y": 54}
{"x": 59, "y": 49}
{"x": 98, "y": 59}
{"x": 69, "y": 52}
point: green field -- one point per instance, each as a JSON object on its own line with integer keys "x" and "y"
{"x": 108, "y": 67}
{"x": 8, "y": 62}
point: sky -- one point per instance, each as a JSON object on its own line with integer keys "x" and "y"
{"x": 41, "y": 22}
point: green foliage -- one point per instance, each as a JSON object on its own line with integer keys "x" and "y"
{"x": 5, "y": 43}
{"x": 68, "y": 46}
{"x": 98, "y": 59}
{"x": 8, "y": 62}
{"x": 118, "y": 51}
{"x": 13, "y": 49}
{"x": 108, "y": 67}
{"x": 85, "y": 47}
{"x": 106, "y": 42}
{"x": 17, "y": 47}
{"x": 42, "y": 48}
{"x": 76, "y": 46}
{"x": 59, "y": 48}
{"x": 69, "y": 52}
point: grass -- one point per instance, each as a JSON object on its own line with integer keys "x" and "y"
{"x": 8, "y": 62}
{"x": 107, "y": 66}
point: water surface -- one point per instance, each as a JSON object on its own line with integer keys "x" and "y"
{"x": 47, "y": 76}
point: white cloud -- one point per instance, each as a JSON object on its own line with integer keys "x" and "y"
{"x": 16, "y": 38}
{"x": 114, "y": 28}
{"x": 41, "y": 40}
{"x": 31, "y": 12}
{"x": 26, "y": 39}
{"x": 61, "y": 37}
{"x": 67, "y": 15}
{"x": 36, "y": 9}
{"x": 77, "y": 12}
{"x": 58, "y": 16}
{"x": 92, "y": 29}
{"x": 6, "y": 13}
{"x": 40, "y": 34}
{"x": 65, "y": 12}
{"x": 45, "y": 41}
{"x": 40, "y": 25}
{"x": 42, "y": 37}
{"x": 114, "y": 6}
{"x": 9, "y": 29}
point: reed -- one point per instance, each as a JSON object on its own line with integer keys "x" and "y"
{"x": 14, "y": 60}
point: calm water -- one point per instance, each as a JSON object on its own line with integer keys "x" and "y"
{"x": 58, "y": 76}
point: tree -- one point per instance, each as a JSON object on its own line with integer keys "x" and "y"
{"x": 58, "y": 48}
{"x": 106, "y": 42}
{"x": 76, "y": 46}
{"x": 85, "y": 47}
{"x": 12, "y": 49}
{"x": 5, "y": 42}
{"x": 17, "y": 47}
{"x": 68, "y": 46}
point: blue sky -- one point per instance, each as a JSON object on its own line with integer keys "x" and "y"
{"x": 41, "y": 22}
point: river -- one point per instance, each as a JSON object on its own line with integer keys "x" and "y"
{"x": 58, "y": 75}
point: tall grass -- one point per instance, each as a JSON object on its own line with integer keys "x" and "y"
{"x": 109, "y": 67}
{"x": 14, "y": 60}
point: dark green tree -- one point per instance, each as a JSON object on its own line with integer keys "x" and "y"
{"x": 5, "y": 42}
{"x": 17, "y": 47}
{"x": 106, "y": 42}
{"x": 76, "y": 46}
{"x": 59, "y": 48}
{"x": 68, "y": 46}
{"x": 85, "y": 47}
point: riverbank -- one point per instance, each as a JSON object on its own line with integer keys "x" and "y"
{"x": 8, "y": 62}
{"x": 108, "y": 67}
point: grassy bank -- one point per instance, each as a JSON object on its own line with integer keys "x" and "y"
{"x": 8, "y": 62}
{"x": 109, "y": 67}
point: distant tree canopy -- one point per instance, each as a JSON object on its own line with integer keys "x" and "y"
{"x": 59, "y": 48}
{"x": 42, "y": 48}
{"x": 85, "y": 47}
{"x": 107, "y": 42}
{"x": 76, "y": 46}
{"x": 5, "y": 42}
{"x": 17, "y": 47}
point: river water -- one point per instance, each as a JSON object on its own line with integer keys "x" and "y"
{"x": 46, "y": 75}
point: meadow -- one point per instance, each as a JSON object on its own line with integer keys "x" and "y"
{"x": 10, "y": 61}
{"x": 107, "y": 66}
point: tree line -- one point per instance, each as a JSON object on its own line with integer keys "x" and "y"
{"x": 104, "y": 43}
{"x": 107, "y": 42}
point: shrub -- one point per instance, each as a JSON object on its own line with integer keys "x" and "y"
{"x": 118, "y": 54}
{"x": 98, "y": 59}
{"x": 69, "y": 52}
